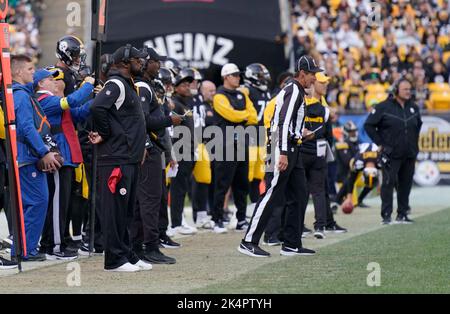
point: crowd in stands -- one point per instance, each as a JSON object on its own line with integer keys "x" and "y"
{"x": 366, "y": 46}
{"x": 24, "y": 17}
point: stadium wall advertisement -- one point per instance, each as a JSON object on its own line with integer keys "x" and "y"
{"x": 433, "y": 161}
{"x": 201, "y": 34}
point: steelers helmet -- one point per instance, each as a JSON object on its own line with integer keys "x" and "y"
{"x": 350, "y": 127}
{"x": 173, "y": 65}
{"x": 166, "y": 76}
{"x": 257, "y": 75}
{"x": 70, "y": 50}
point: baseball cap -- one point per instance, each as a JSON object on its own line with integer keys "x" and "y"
{"x": 153, "y": 55}
{"x": 41, "y": 74}
{"x": 322, "y": 78}
{"x": 119, "y": 55}
{"x": 229, "y": 68}
{"x": 308, "y": 64}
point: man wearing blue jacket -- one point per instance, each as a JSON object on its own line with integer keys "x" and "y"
{"x": 33, "y": 146}
{"x": 59, "y": 112}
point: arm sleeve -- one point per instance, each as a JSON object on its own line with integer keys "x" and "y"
{"x": 157, "y": 123}
{"x": 269, "y": 112}
{"x": 285, "y": 116}
{"x": 223, "y": 107}
{"x": 77, "y": 98}
{"x": 80, "y": 114}
{"x": 25, "y": 123}
{"x": 104, "y": 101}
{"x": 371, "y": 125}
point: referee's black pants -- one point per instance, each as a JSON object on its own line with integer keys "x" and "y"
{"x": 286, "y": 188}
{"x": 117, "y": 214}
{"x": 399, "y": 175}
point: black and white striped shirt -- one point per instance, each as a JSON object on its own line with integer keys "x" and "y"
{"x": 289, "y": 116}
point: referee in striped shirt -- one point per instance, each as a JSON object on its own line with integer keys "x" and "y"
{"x": 285, "y": 180}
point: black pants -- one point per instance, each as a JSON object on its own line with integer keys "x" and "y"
{"x": 144, "y": 229}
{"x": 179, "y": 187}
{"x": 164, "y": 209}
{"x": 232, "y": 174}
{"x": 316, "y": 178}
{"x": 60, "y": 188}
{"x": 4, "y": 196}
{"x": 77, "y": 211}
{"x": 400, "y": 175}
{"x": 287, "y": 188}
{"x": 117, "y": 214}
{"x": 199, "y": 197}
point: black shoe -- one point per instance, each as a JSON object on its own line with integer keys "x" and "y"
{"x": 298, "y": 251}
{"x": 362, "y": 205}
{"x": 252, "y": 250}
{"x": 84, "y": 250}
{"x": 167, "y": 243}
{"x": 271, "y": 241}
{"x": 319, "y": 233}
{"x": 39, "y": 257}
{"x": 157, "y": 257}
{"x": 386, "y": 221}
{"x": 335, "y": 229}
{"x": 226, "y": 219}
{"x": 63, "y": 255}
{"x": 73, "y": 246}
{"x": 6, "y": 264}
{"x": 403, "y": 219}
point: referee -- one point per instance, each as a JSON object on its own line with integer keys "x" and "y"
{"x": 286, "y": 184}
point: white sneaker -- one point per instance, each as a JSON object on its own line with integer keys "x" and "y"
{"x": 219, "y": 230}
{"x": 205, "y": 223}
{"x": 143, "y": 265}
{"x": 186, "y": 229}
{"x": 127, "y": 267}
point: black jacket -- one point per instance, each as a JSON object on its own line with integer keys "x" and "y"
{"x": 120, "y": 123}
{"x": 345, "y": 151}
{"x": 397, "y": 129}
{"x": 156, "y": 121}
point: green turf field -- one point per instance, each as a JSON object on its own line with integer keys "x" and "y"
{"x": 412, "y": 258}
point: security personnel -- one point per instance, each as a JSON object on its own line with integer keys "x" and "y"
{"x": 394, "y": 124}
{"x": 286, "y": 177}
{"x": 33, "y": 132}
{"x": 367, "y": 161}
{"x": 314, "y": 154}
{"x": 58, "y": 111}
{"x": 256, "y": 85}
{"x": 120, "y": 135}
{"x": 232, "y": 108}
{"x": 145, "y": 227}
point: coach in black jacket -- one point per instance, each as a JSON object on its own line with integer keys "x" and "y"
{"x": 120, "y": 125}
{"x": 394, "y": 124}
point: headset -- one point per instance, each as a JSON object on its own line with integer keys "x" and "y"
{"x": 127, "y": 53}
{"x": 107, "y": 63}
